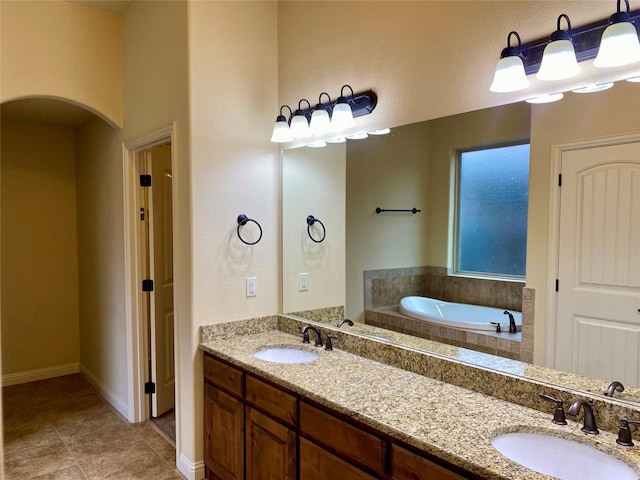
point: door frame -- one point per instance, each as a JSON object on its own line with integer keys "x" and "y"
{"x": 136, "y": 315}
{"x": 557, "y": 149}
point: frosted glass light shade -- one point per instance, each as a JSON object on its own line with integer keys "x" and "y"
{"x": 619, "y": 46}
{"x": 558, "y": 61}
{"x": 300, "y": 127}
{"x": 281, "y": 132}
{"x": 320, "y": 122}
{"x": 342, "y": 117}
{"x": 509, "y": 76}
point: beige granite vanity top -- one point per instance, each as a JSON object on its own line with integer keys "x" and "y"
{"x": 450, "y": 422}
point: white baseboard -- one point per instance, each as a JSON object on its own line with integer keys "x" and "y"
{"x": 193, "y": 471}
{"x": 39, "y": 374}
{"x": 115, "y": 401}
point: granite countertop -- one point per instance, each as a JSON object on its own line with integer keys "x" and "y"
{"x": 447, "y": 421}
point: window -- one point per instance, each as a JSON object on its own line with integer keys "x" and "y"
{"x": 492, "y": 199}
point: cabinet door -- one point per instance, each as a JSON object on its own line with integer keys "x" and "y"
{"x": 223, "y": 436}
{"x": 318, "y": 464}
{"x": 270, "y": 449}
{"x": 409, "y": 466}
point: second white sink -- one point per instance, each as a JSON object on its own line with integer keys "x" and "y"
{"x": 286, "y": 355}
{"x": 561, "y": 458}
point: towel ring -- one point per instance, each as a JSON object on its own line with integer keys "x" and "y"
{"x": 310, "y": 221}
{"x": 242, "y": 221}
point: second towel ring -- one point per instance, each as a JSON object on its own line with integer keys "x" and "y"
{"x": 310, "y": 221}
{"x": 242, "y": 221}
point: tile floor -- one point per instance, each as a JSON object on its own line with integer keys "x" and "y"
{"x": 61, "y": 429}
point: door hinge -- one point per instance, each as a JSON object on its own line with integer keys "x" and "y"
{"x": 141, "y": 213}
{"x": 149, "y": 387}
{"x": 560, "y": 180}
{"x": 147, "y": 285}
{"x": 145, "y": 180}
{"x": 557, "y": 285}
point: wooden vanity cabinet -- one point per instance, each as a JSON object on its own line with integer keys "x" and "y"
{"x": 406, "y": 465}
{"x": 257, "y": 431}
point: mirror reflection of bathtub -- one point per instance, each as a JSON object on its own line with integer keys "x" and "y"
{"x": 458, "y": 315}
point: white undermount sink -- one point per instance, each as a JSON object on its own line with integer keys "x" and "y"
{"x": 286, "y": 355}
{"x": 561, "y": 458}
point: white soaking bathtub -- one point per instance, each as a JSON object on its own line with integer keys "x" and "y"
{"x": 458, "y": 315}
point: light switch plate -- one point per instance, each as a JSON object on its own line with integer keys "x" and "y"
{"x": 303, "y": 282}
{"x": 252, "y": 286}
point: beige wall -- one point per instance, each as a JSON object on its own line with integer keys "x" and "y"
{"x": 39, "y": 249}
{"x": 614, "y": 111}
{"x": 233, "y": 102}
{"x": 313, "y": 183}
{"x": 103, "y": 334}
{"x": 155, "y": 95}
{"x": 62, "y": 50}
{"x": 391, "y": 172}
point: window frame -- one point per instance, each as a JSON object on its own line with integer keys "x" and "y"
{"x": 454, "y": 270}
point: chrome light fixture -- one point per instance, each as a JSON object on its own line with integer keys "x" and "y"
{"x": 300, "y": 123}
{"x": 510, "y": 75}
{"x": 320, "y": 121}
{"x": 342, "y": 117}
{"x": 559, "y": 57}
{"x": 281, "y": 132}
{"x": 619, "y": 45}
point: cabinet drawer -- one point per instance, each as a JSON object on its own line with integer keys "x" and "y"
{"x": 409, "y": 466}
{"x": 318, "y": 464}
{"x": 272, "y": 400}
{"x": 344, "y": 440}
{"x": 223, "y": 375}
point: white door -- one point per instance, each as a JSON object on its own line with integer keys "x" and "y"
{"x": 161, "y": 263}
{"x": 598, "y": 319}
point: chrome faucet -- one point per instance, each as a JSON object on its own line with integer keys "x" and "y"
{"x": 624, "y": 435}
{"x": 589, "y": 420}
{"x": 304, "y": 331}
{"x": 614, "y": 387}
{"x": 512, "y": 322}
{"x": 347, "y": 321}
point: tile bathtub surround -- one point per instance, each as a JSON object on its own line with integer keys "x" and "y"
{"x": 502, "y": 344}
{"x": 528, "y": 319}
{"x": 330, "y": 314}
{"x": 385, "y": 288}
{"x": 416, "y": 409}
{"x": 502, "y": 378}
{"x": 61, "y": 429}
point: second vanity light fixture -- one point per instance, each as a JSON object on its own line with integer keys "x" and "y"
{"x": 613, "y": 43}
{"x": 328, "y": 117}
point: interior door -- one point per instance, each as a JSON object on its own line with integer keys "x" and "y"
{"x": 598, "y": 322}
{"x": 161, "y": 255}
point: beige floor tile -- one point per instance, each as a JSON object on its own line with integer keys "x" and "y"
{"x": 37, "y": 461}
{"x": 29, "y": 437}
{"x": 73, "y": 473}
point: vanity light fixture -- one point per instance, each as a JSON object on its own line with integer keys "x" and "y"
{"x": 619, "y": 45}
{"x": 634, "y": 79}
{"x": 611, "y": 42}
{"x": 318, "y": 144}
{"x": 342, "y": 117}
{"x": 320, "y": 121}
{"x": 510, "y": 75}
{"x": 357, "y": 136}
{"x": 559, "y": 57}
{"x": 594, "y": 88}
{"x": 337, "y": 140}
{"x": 300, "y": 122}
{"x": 339, "y": 114}
{"x": 550, "y": 98}
{"x": 281, "y": 132}
{"x": 382, "y": 131}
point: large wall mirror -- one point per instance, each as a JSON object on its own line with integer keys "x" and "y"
{"x": 369, "y": 260}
